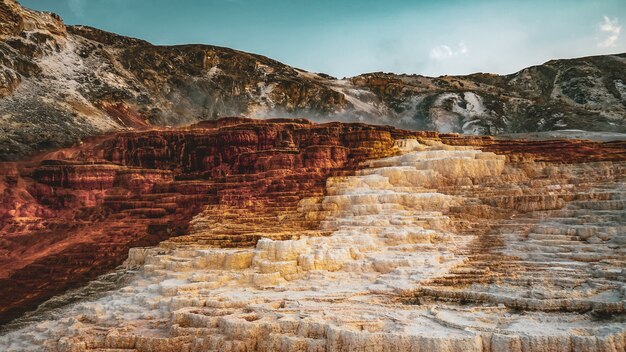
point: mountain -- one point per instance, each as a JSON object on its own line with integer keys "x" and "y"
{"x": 59, "y": 84}
{"x": 172, "y": 228}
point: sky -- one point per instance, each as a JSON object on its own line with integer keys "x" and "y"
{"x": 348, "y": 37}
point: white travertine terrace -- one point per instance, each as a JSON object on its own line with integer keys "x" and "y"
{"x": 438, "y": 249}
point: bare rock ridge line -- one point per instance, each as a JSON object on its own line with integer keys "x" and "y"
{"x": 325, "y": 237}
{"x": 61, "y": 83}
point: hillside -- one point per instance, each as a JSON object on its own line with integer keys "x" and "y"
{"x": 61, "y": 83}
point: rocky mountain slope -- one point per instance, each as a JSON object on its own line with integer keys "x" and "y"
{"x": 60, "y": 83}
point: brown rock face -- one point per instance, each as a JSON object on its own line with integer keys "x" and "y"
{"x": 10, "y": 22}
{"x": 69, "y": 219}
{"x": 559, "y": 151}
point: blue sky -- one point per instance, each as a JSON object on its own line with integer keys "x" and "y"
{"x": 345, "y": 38}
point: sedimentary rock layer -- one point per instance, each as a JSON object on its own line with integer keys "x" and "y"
{"x": 73, "y": 214}
{"x": 423, "y": 244}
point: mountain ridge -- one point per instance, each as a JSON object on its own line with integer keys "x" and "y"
{"x": 60, "y": 83}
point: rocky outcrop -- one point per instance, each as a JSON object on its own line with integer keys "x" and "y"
{"x": 25, "y": 35}
{"x": 585, "y": 93}
{"x": 422, "y": 243}
{"x": 59, "y": 84}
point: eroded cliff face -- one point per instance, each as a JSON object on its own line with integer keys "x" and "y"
{"x": 341, "y": 237}
{"x": 61, "y": 83}
{"x": 73, "y": 214}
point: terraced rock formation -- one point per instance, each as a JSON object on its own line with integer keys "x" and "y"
{"x": 343, "y": 237}
{"x": 59, "y": 84}
{"x": 73, "y": 214}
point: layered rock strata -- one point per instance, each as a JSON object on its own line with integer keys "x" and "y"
{"x": 73, "y": 214}
{"x": 439, "y": 247}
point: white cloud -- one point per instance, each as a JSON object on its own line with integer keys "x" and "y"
{"x": 441, "y": 52}
{"x": 444, "y": 52}
{"x": 612, "y": 28}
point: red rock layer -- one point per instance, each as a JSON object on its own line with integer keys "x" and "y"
{"x": 66, "y": 220}
{"x": 563, "y": 151}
